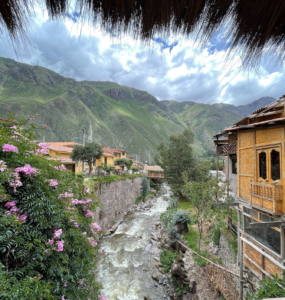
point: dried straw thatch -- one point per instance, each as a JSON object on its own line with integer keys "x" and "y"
{"x": 252, "y": 25}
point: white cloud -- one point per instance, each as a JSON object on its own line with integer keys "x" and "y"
{"x": 174, "y": 69}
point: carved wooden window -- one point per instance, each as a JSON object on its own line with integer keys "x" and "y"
{"x": 262, "y": 165}
{"x": 275, "y": 165}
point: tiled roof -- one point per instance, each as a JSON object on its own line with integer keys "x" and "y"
{"x": 62, "y": 143}
{"x": 59, "y": 148}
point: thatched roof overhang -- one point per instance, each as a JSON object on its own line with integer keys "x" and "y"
{"x": 252, "y": 25}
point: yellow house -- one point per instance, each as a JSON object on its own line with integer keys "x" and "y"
{"x": 62, "y": 150}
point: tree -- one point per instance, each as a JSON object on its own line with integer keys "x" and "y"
{"x": 144, "y": 187}
{"x": 124, "y": 162}
{"x": 200, "y": 196}
{"x": 176, "y": 159}
{"x": 128, "y": 164}
{"x": 135, "y": 169}
{"x": 88, "y": 153}
{"x": 107, "y": 168}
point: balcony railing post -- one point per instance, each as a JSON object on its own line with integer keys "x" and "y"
{"x": 274, "y": 197}
{"x": 250, "y": 191}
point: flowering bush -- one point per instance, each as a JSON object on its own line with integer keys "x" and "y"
{"x": 47, "y": 240}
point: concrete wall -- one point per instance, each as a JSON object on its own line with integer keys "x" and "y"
{"x": 115, "y": 198}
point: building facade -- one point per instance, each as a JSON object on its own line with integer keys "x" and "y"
{"x": 255, "y": 169}
{"x": 61, "y": 151}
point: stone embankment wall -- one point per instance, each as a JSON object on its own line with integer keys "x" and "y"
{"x": 116, "y": 197}
{"x": 230, "y": 261}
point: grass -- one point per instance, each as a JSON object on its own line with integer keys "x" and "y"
{"x": 111, "y": 178}
{"x": 139, "y": 199}
{"x": 185, "y": 205}
{"x": 150, "y": 193}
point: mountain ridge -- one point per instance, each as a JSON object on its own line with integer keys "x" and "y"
{"x": 113, "y": 115}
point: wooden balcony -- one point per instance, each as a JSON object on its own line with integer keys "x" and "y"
{"x": 267, "y": 197}
{"x": 155, "y": 175}
{"x": 227, "y": 149}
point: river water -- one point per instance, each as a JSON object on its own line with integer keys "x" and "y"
{"x": 125, "y": 267}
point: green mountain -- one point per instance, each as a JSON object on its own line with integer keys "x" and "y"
{"x": 113, "y": 115}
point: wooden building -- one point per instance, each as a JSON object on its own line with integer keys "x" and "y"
{"x": 154, "y": 172}
{"x": 255, "y": 152}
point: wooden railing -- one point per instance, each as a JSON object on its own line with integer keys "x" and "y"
{"x": 227, "y": 148}
{"x": 155, "y": 175}
{"x": 266, "y": 196}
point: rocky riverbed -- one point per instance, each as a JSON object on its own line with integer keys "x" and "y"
{"x": 127, "y": 265}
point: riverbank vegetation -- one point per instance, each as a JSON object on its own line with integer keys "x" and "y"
{"x": 111, "y": 178}
{"x": 47, "y": 233}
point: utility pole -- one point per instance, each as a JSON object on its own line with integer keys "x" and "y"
{"x": 83, "y": 130}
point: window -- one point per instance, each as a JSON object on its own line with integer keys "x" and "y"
{"x": 262, "y": 165}
{"x": 275, "y": 165}
{"x": 251, "y": 212}
{"x": 86, "y": 164}
{"x": 116, "y": 154}
{"x": 269, "y": 237}
{"x": 234, "y": 165}
{"x": 105, "y": 160}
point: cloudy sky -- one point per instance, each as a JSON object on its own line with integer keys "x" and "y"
{"x": 172, "y": 68}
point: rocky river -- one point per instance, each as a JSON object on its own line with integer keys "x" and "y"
{"x": 126, "y": 265}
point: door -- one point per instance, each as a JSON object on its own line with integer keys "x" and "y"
{"x": 269, "y": 165}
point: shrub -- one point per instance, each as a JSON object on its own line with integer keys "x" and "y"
{"x": 167, "y": 258}
{"x": 181, "y": 217}
{"x": 144, "y": 186}
{"x": 270, "y": 287}
{"x": 173, "y": 235}
{"x": 47, "y": 234}
{"x": 216, "y": 233}
{"x": 173, "y": 203}
{"x": 167, "y": 218}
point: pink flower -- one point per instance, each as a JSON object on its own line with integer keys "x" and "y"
{"x": 7, "y": 213}
{"x": 50, "y": 242}
{"x": 92, "y": 242}
{"x": 57, "y": 168}
{"x": 65, "y": 284}
{"x": 14, "y": 127}
{"x": 10, "y": 204}
{"x": 53, "y": 183}
{"x": 10, "y": 148}
{"x": 76, "y": 225}
{"x": 15, "y": 209}
{"x": 3, "y": 166}
{"x": 68, "y": 208}
{"x": 84, "y": 233}
{"x": 27, "y": 170}
{"x": 63, "y": 167}
{"x": 59, "y": 246}
{"x": 57, "y": 233}
{"x": 95, "y": 226}
{"x": 22, "y": 218}
{"x": 87, "y": 191}
{"x": 89, "y": 213}
{"x": 102, "y": 297}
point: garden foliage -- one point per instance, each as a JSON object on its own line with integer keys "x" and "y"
{"x": 270, "y": 287}
{"x": 181, "y": 217}
{"x": 47, "y": 234}
{"x": 144, "y": 186}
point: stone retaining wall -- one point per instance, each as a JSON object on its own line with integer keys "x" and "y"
{"x": 116, "y": 197}
{"x": 229, "y": 260}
